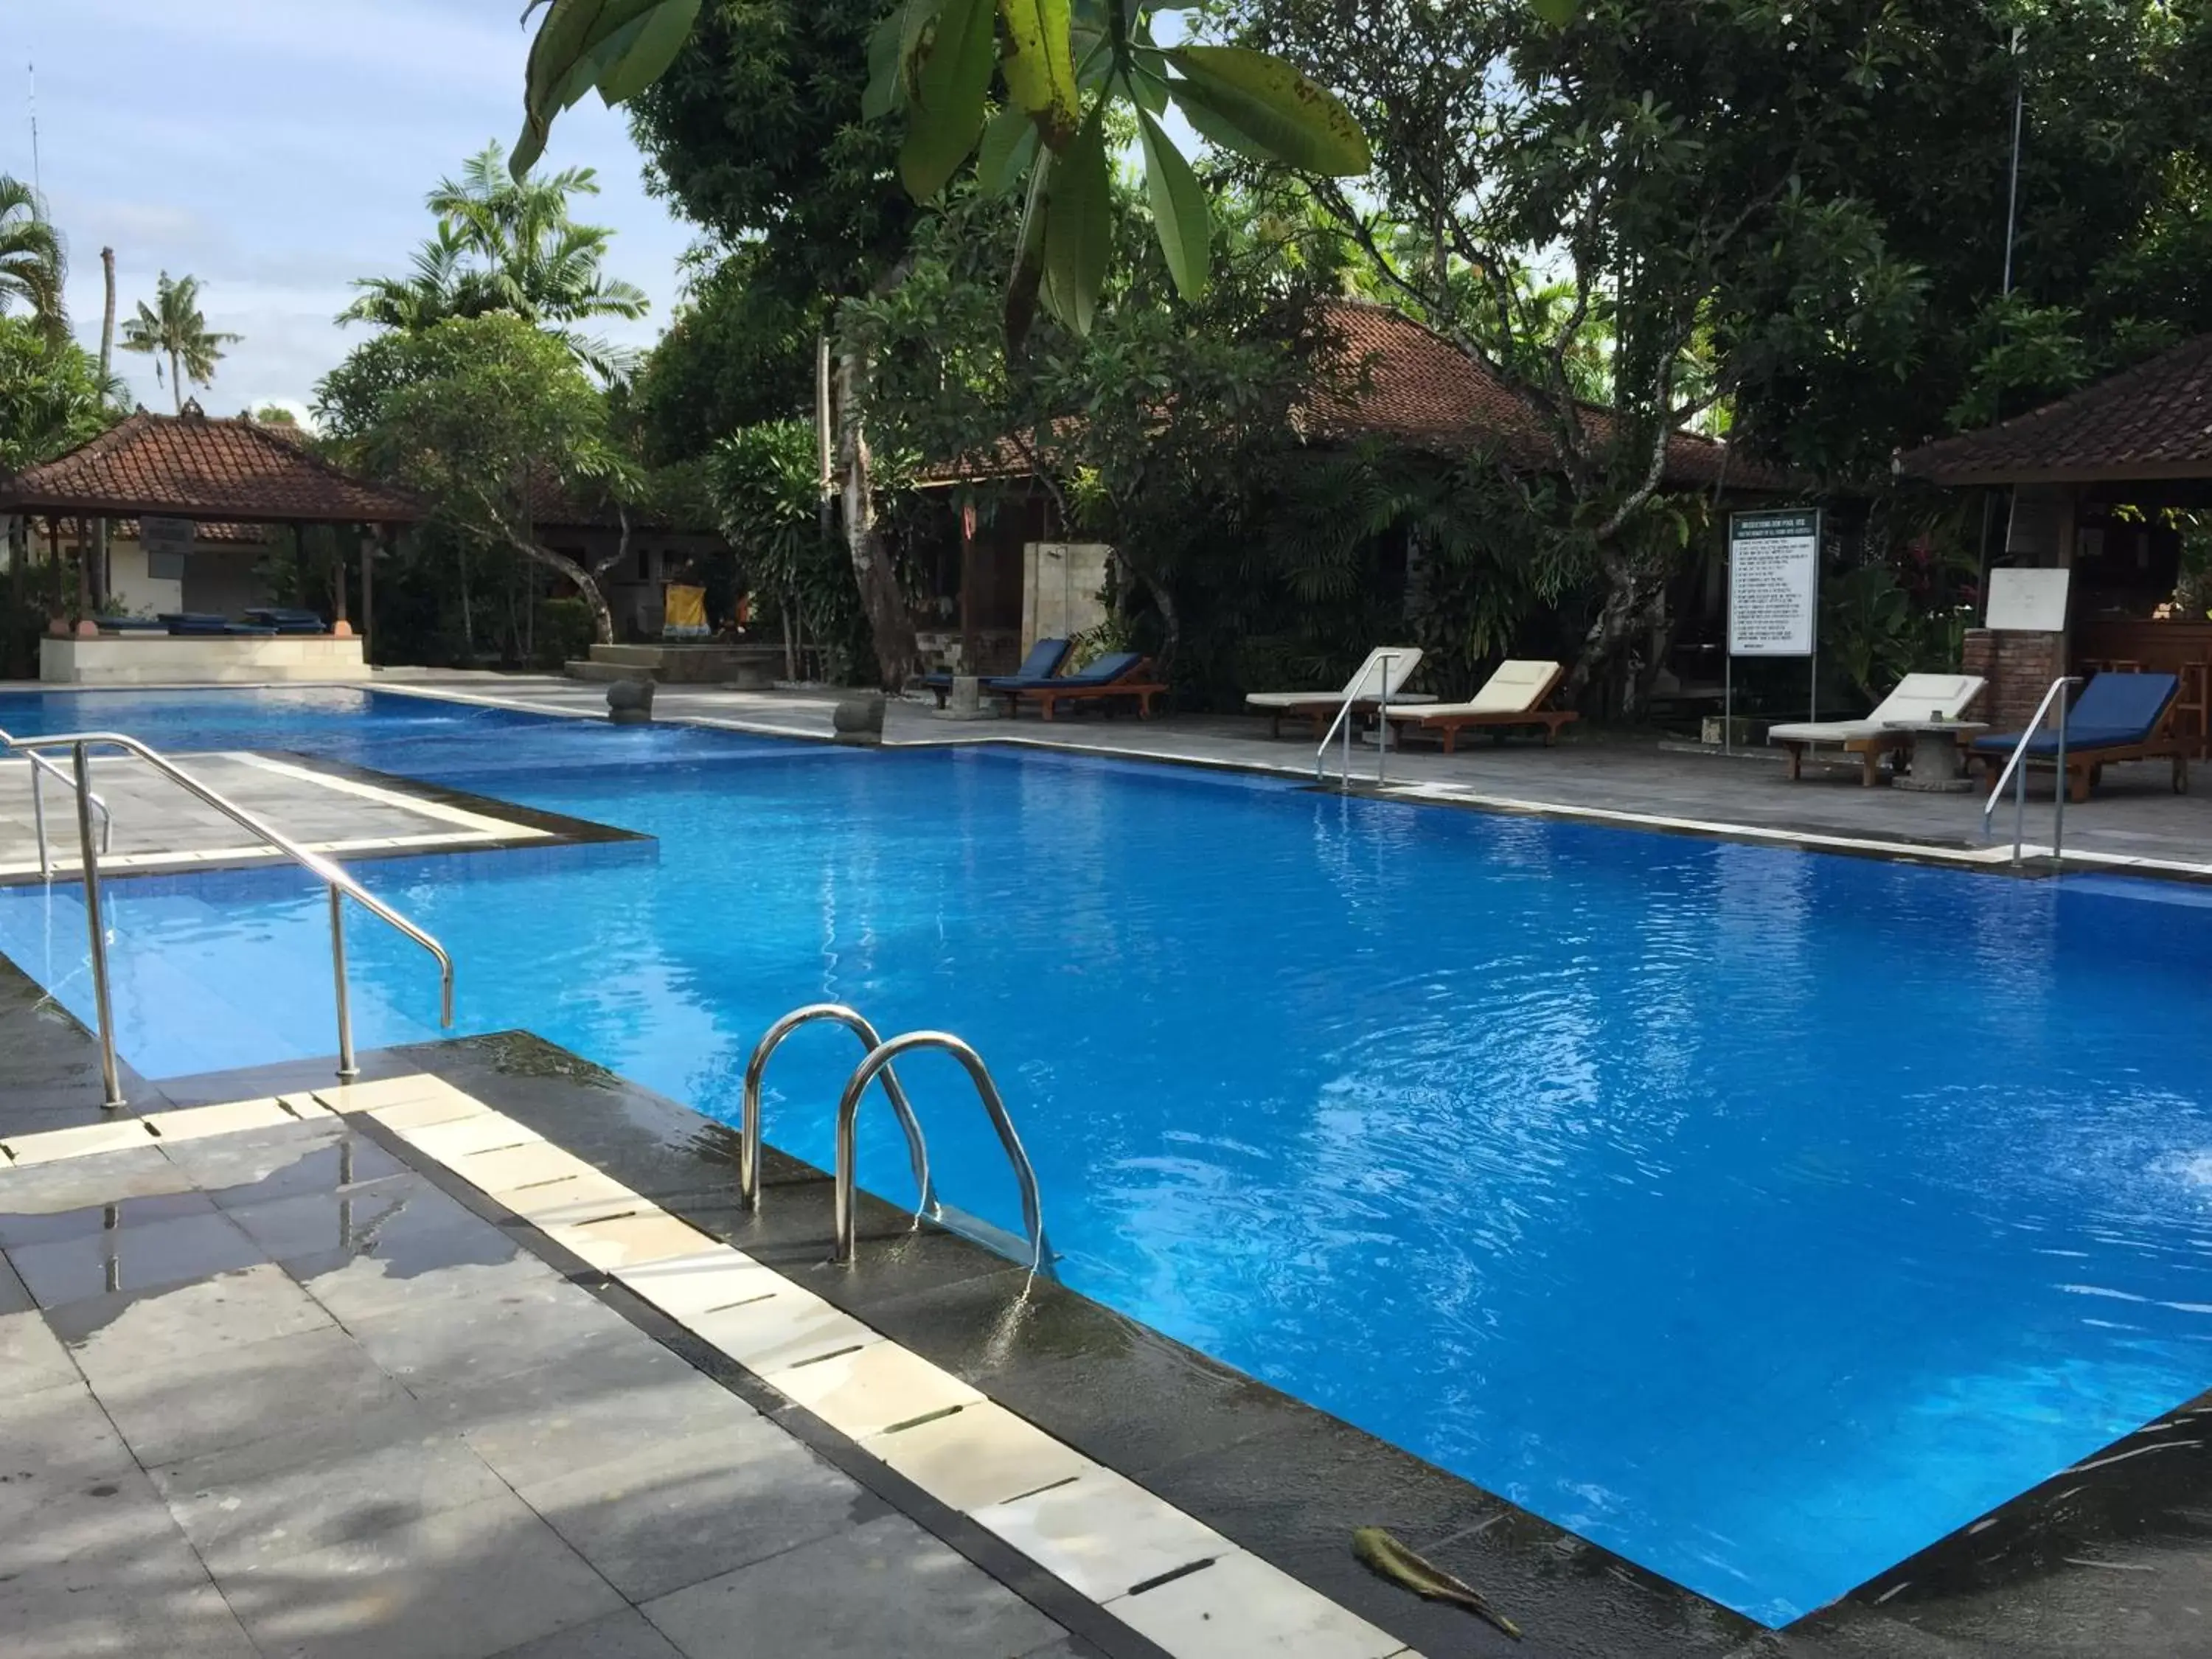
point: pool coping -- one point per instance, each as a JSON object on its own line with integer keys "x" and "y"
{"x": 525, "y": 828}
{"x": 1284, "y": 1480}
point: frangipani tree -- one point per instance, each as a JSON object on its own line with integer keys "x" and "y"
{"x": 1058, "y": 65}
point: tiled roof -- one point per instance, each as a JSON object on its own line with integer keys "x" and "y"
{"x": 189, "y": 466}
{"x": 2154, "y": 421}
{"x": 206, "y": 535}
{"x": 1410, "y": 385}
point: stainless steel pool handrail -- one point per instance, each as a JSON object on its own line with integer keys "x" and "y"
{"x": 341, "y": 886}
{"x": 40, "y": 766}
{"x": 848, "y": 1111}
{"x": 2015, "y": 771}
{"x": 749, "y": 1133}
{"x": 1353, "y": 694}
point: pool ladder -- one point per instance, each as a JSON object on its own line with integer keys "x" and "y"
{"x": 92, "y": 849}
{"x": 878, "y": 1063}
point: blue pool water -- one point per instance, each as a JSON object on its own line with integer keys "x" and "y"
{"x": 1763, "y": 1216}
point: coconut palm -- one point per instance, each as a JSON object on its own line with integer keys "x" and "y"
{"x": 175, "y": 329}
{"x": 510, "y": 246}
{"x": 32, "y": 268}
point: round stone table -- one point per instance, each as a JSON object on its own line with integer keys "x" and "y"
{"x": 1939, "y": 754}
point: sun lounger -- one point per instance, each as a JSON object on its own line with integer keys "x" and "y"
{"x": 2118, "y": 717}
{"x": 1043, "y": 662}
{"x": 1512, "y": 697}
{"x": 1365, "y": 690}
{"x": 1918, "y": 697}
{"x": 286, "y": 619}
{"x": 1117, "y": 674}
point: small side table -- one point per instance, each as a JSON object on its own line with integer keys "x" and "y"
{"x": 1939, "y": 754}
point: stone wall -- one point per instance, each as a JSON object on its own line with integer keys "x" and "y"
{"x": 2019, "y": 668}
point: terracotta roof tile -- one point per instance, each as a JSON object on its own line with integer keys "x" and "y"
{"x": 189, "y": 466}
{"x": 1416, "y": 387}
{"x": 2154, "y": 421}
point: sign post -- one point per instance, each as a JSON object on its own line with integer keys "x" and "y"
{"x": 1774, "y": 597}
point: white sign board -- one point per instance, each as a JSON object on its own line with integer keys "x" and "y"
{"x": 170, "y": 536}
{"x": 2032, "y": 601}
{"x": 1774, "y": 582}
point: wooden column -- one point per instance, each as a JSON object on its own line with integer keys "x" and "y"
{"x": 970, "y": 649}
{"x": 370, "y": 545}
{"x": 339, "y": 622}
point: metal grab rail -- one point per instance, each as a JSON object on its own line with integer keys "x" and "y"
{"x": 848, "y": 1110}
{"x": 2015, "y": 771}
{"x": 341, "y": 885}
{"x": 40, "y": 766}
{"x": 749, "y": 1137}
{"x": 1352, "y": 695}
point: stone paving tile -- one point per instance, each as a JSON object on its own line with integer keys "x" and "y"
{"x": 51, "y": 1226}
{"x": 463, "y": 1583}
{"x": 78, "y": 1531}
{"x": 675, "y": 1513}
{"x": 248, "y": 1507}
{"x": 587, "y": 1406}
{"x": 257, "y": 1168}
{"x": 885, "y": 1588}
{"x": 348, "y": 1218}
{"x": 243, "y": 1393}
{"x": 32, "y": 1357}
{"x": 58, "y": 1433}
{"x": 79, "y": 1183}
{"x": 446, "y": 1345}
{"x": 14, "y": 1299}
{"x": 121, "y": 1337}
{"x": 161, "y": 1604}
{"x": 624, "y": 1635}
{"x": 133, "y": 1258}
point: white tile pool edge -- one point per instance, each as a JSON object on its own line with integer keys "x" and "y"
{"x": 1159, "y": 1570}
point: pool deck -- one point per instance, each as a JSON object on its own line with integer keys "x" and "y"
{"x": 357, "y": 1390}
{"x": 2135, "y": 821}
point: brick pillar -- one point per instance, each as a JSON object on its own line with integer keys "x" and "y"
{"x": 2019, "y": 667}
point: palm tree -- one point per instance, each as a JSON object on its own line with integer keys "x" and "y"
{"x": 504, "y": 245}
{"x": 175, "y": 329}
{"x": 32, "y": 268}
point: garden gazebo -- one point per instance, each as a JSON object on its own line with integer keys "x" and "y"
{"x": 199, "y": 470}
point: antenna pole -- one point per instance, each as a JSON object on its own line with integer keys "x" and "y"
{"x": 37, "y": 181}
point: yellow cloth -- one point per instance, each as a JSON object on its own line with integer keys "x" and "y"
{"x": 684, "y": 612}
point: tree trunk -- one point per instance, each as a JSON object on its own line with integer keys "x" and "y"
{"x": 588, "y": 586}
{"x": 1628, "y": 596}
{"x": 1163, "y": 602}
{"x": 891, "y": 628}
{"x": 176, "y": 385}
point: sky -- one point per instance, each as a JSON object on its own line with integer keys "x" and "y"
{"x": 277, "y": 150}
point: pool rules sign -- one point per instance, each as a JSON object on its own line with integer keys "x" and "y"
{"x": 1774, "y": 582}
{"x": 1773, "y": 594}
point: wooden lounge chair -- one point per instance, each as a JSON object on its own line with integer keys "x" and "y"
{"x": 1118, "y": 674}
{"x": 2118, "y": 717}
{"x": 1043, "y": 662}
{"x": 1364, "y": 690}
{"x": 1512, "y": 697}
{"x": 1918, "y": 697}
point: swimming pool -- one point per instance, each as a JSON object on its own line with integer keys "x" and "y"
{"x": 1761, "y": 1215}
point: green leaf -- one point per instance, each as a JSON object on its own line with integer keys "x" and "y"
{"x": 1179, "y": 211}
{"x": 948, "y": 109}
{"x": 1040, "y": 66}
{"x": 1558, "y": 13}
{"x": 1028, "y": 256}
{"x": 1260, "y": 106}
{"x": 1078, "y": 227}
{"x": 645, "y": 58}
{"x": 1147, "y": 90}
{"x": 620, "y": 46}
{"x": 1010, "y": 144}
{"x": 882, "y": 96}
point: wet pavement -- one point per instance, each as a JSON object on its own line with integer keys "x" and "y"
{"x": 273, "y": 1392}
